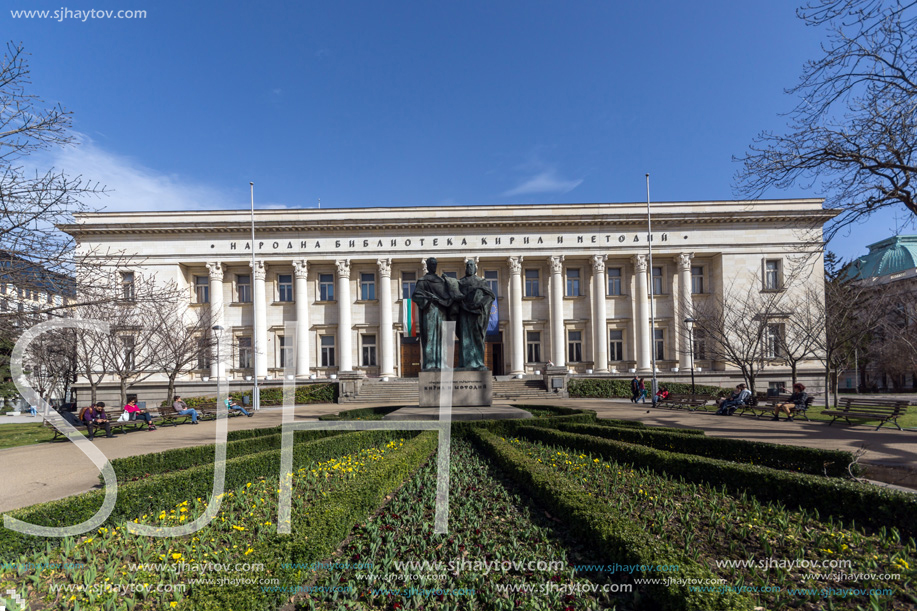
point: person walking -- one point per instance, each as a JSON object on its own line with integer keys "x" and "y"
{"x": 634, "y": 389}
{"x": 643, "y": 389}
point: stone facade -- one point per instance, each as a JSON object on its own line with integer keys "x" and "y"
{"x": 572, "y": 280}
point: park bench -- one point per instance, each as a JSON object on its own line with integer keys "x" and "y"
{"x": 168, "y": 414}
{"x": 883, "y": 410}
{"x": 689, "y": 401}
{"x": 209, "y": 410}
{"x": 763, "y": 405}
{"x": 75, "y": 422}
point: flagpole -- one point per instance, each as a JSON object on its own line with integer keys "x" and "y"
{"x": 256, "y": 394}
{"x": 649, "y": 241}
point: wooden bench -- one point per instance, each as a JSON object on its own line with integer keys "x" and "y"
{"x": 209, "y": 410}
{"x": 883, "y": 410}
{"x": 689, "y": 401}
{"x": 168, "y": 414}
{"x": 71, "y": 419}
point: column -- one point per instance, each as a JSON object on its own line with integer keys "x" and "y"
{"x": 685, "y": 308}
{"x": 216, "y": 318}
{"x": 345, "y": 343}
{"x": 301, "y": 294}
{"x": 642, "y": 324}
{"x": 259, "y": 303}
{"x": 557, "y": 310}
{"x": 386, "y": 343}
{"x": 599, "y": 335}
{"x": 517, "y": 361}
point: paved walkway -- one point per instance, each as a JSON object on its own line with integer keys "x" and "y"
{"x": 43, "y": 472}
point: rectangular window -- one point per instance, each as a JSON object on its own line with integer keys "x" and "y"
{"x": 326, "y": 287}
{"x": 573, "y": 279}
{"x": 203, "y": 353}
{"x": 4, "y": 305}
{"x": 450, "y": 275}
{"x": 3, "y": 288}
{"x": 286, "y": 350}
{"x": 575, "y": 346}
{"x": 492, "y": 279}
{"x": 50, "y": 298}
{"x": 658, "y": 284}
{"x": 243, "y": 288}
{"x": 367, "y": 287}
{"x": 408, "y": 284}
{"x": 614, "y": 281}
{"x": 616, "y": 345}
{"x": 772, "y": 275}
{"x": 127, "y": 352}
{"x": 201, "y": 289}
{"x": 697, "y": 279}
{"x": 772, "y": 337}
{"x": 369, "y": 350}
{"x": 531, "y": 283}
{"x": 659, "y": 341}
{"x": 327, "y": 350}
{"x": 700, "y": 345}
{"x": 285, "y": 287}
{"x": 127, "y": 286}
{"x": 533, "y": 346}
{"x": 245, "y": 353}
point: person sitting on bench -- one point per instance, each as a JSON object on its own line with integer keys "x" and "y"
{"x": 797, "y": 401}
{"x": 95, "y": 416}
{"x": 661, "y": 395}
{"x": 728, "y": 406}
{"x": 139, "y": 414}
{"x": 182, "y": 409}
{"x": 231, "y": 404}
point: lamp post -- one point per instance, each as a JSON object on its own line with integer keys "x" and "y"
{"x": 689, "y": 323}
{"x": 217, "y": 330}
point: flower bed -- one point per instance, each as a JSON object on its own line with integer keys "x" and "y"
{"x": 242, "y": 536}
{"x": 716, "y": 527}
{"x": 845, "y": 500}
{"x": 491, "y": 521}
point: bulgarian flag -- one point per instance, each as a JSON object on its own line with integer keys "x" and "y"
{"x": 410, "y": 317}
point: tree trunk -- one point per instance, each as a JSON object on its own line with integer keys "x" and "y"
{"x": 793, "y": 366}
{"x": 170, "y": 395}
{"x": 93, "y": 391}
{"x": 123, "y": 392}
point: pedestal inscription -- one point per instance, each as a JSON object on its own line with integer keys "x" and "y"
{"x": 468, "y": 388}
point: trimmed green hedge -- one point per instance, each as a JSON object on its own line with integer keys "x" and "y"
{"x": 143, "y": 465}
{"x": 611, "y": 536}
{"x": 362, "y": 413}
{"x": 832, "y": 463}
{"x": 321, "y": 392}
{"x": 607, "y": 389}
{"x": 636, "y": 424}
{"x": 846, "y": 500}
{"x": 327, "y": 523}
{"x": 137, "y": 498}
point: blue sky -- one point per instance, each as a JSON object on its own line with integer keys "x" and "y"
{"x": 421, "y": 103}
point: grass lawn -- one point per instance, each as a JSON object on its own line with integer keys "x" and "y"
{"x": 909, "y": 420}
{"x": 23, "y": 434}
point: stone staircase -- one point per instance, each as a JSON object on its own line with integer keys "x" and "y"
{"x": 517, "y": 390}
{"x": 394, "y": 391}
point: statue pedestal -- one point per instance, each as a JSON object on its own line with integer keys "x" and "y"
{"x": 469, "y": 388}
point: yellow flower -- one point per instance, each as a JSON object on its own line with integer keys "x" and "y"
{"x": 173, "y": 604}
{"x": 238, "y": 527}
{"x": 176, "y": 556}
{"x": 248, "y": 551}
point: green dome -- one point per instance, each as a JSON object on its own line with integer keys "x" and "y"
{"x": 890, "y": 256}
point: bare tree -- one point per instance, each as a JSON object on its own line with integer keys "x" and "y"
{"x": 803, "y": 331}
{"x": 183, "y": 341}
{"x": 739, "y": 330}
{"x": 892, "y": 349}
{"x": 51, "y": 363}
{"x": 854, "y": 132}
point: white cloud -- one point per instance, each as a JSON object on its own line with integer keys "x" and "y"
{"x": 545, "y": 181}
{"x": 132, "y": 185}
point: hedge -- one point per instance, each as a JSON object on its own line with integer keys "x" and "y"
{"x": 832, "y": 463}
{"x": 307, "y": 393}
{"x": 607, "y": 389}
{"x": 325, "y": 525}
{"x": 611, "y": 536}
{"x": 137, "y": 498}
{"x": 143, "y": 465}
{"x": 362, "y": 413}
{"x": 847, "y": 500}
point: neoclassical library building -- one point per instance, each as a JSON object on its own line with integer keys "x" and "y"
{"x": 573, "y": 281}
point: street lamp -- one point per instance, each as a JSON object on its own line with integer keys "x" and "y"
{"x": 217, "y": 329}
{"x": 689, "y": 323}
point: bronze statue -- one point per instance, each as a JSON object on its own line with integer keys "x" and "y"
{"x": 473, "y": 313}
{"x": 434, "y": 298}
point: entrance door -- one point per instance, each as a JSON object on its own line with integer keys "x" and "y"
{"x": 410, "y": 360}
{"x": 494, "y": 358}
